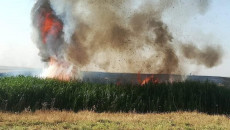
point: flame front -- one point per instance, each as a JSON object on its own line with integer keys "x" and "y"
{"x": 58, "y": 70}
{"x": 150, "y": 79}
{"x": 147, "y": 80}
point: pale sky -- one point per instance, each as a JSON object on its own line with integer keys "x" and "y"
{"x": 17, "y": 48}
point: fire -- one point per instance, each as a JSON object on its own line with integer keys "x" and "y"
{"x": 51, "y": 26}
{"x": 150, "y": 79}
{"x": 58, "y": 70}
{"x": 147, "y": 80}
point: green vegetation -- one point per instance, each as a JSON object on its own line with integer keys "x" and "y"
{"x": 27, "y": 93}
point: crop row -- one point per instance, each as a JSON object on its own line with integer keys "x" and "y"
{"x": 28, "y": 93}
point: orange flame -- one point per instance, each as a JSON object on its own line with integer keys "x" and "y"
{"x": 51, "y": 25}
{"x": 58, "y": 70}
{"x": 147, "y": 80}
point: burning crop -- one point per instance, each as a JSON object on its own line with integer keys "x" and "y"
{"x": 147, "y": 80}
{"x": 113, "y": 36}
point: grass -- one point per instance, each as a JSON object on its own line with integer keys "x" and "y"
{"x": 28, "y": 93}
{"x": 92, "y": 120}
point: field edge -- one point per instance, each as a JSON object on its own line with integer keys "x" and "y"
{"x": 51, "y": 119}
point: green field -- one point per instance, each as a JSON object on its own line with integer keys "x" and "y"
{"x": 28, "y": 93}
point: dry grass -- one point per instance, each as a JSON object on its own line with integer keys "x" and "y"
{"x": 92, "y": 120}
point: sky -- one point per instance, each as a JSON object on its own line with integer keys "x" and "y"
{"x": 17, "y": 48}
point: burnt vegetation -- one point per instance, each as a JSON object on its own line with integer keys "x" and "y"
{"x": 27, "y": 93}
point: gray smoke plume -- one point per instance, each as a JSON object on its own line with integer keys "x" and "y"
{"x": 118, "y": 36}
{"x": 208, "y": 56}
{"x": 48, "y": 44}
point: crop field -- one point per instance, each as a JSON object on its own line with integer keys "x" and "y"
{"x": 21, "y": 93}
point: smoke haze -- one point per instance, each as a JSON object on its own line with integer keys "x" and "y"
{"x": 118, "y": 36}
{"x": 208, "y": 56}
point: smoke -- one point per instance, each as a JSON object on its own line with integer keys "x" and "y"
{"x": 209, "y": 56}
{"x": 116, "y": 36}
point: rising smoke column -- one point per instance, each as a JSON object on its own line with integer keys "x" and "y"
{"x": 49, "y": 29}
{"x": 112, "y": 36}
{"x": 119, "y": 39}
{"x": 50, "y": 41}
